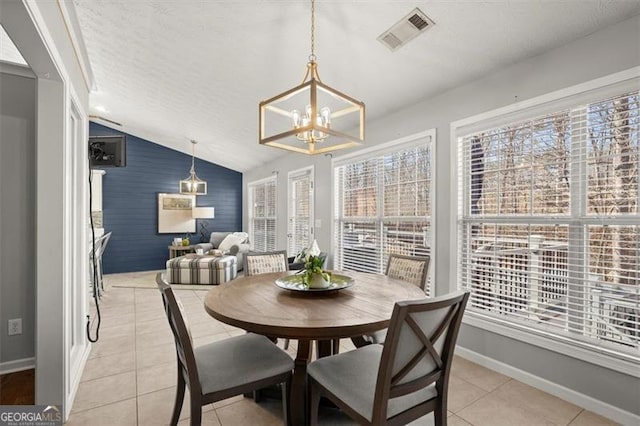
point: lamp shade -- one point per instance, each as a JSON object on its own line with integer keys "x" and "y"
{"x": 203, "y": 213}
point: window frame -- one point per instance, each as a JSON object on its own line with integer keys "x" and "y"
{"x": 251, "y": 188}
{"x": 407, "y": 142}
{"x": 291, "y": 177}
{"x": 567, "y": 98}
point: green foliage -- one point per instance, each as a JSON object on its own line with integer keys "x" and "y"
{"x": 313, "y": 265}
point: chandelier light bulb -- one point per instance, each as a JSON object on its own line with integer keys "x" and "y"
{"x": 322, "y": 119}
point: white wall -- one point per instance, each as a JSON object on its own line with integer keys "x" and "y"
{"x": 605, "y": 52}
{"x": 323, "y": 194}
{"x": 17, "y": 204}
{"x": 39, "y": 32}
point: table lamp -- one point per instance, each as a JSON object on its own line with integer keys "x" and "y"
{"x": 203, "y": 213}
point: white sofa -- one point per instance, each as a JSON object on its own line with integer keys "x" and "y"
{"x": 238, "y": 250}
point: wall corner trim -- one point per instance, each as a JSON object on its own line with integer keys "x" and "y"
{"x": 75, "y": 381}
{"x": 68, "y": 12}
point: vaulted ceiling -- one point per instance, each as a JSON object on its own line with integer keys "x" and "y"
{"x": 175, "y": 70}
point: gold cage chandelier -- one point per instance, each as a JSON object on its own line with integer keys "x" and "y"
{"x": 193, "y": 184}
{"x": 311, "y": 118}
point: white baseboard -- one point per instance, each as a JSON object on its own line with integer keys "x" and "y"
{"x": 17, "y": 365}
{"x": 588, "y": 403}
{"x": 76, "y": 381}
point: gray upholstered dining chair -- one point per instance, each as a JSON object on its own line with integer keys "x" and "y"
{"x": 413, "y": 269}
{"x": 224, "y": 368}
{"x": 402, "y": 380}
{"x": 265, "y": 262}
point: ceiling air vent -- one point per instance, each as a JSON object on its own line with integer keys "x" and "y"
{"x": 406, "y": 29}
{"x": 391, "y": 41}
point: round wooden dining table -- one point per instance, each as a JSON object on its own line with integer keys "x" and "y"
{"x": 256, "y": 304}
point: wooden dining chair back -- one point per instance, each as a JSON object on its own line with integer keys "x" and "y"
{"x": 413, "y": 269}
{"x": 187, "y": 368}
{"x": 95, "y": 262}
{"x": 265, "y": 262}
{"x": 256, "y": 263}
{"x": 403, "y": 380}
{"x": 224, "y": 368}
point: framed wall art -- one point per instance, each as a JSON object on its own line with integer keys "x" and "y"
{"x": 174, "y": 213}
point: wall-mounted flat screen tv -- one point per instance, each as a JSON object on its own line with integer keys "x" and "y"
{"x": 108, "y": 151}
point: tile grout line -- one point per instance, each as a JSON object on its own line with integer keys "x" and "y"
{"x": 521, "y": 407}
{"x": 483, "y": 396}
{"x": 530, "y": 411}
{"x": 475, "y": 400}
{"x": 102, "y": 378}
{"x": 576, "y": 416}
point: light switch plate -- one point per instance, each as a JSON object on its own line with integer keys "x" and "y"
{"x": 15, "y": 326}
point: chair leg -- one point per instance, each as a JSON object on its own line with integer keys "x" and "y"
{"x": 335, "y": 349}
{"x": 286, "y": 344}
{"x": 100, "y": 276}
{"x": 196, "y": 411}
{"x": 359, "y": 342}
{"x": 177, "y": 406}
{"x": 286, "y": 407}
{"x": 314, "y": 403}
{"x": 440, "y": 413}
{"x": 272, "y": 338}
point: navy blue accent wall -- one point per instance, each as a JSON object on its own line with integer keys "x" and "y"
{"x": 130, "y": 201}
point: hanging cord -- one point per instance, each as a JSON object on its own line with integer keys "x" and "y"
{"x": 312, "y": 69}
{"x": 93, "y": 260}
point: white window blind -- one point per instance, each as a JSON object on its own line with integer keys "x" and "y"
{"x": 549, "y": 227}
{"x": 262, "y": 214}
{"x": 383, "y": 206}
{"x": 300, "y": 232}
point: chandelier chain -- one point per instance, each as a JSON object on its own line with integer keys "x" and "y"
{"x": 312, "y": 57}
{"x": 193, "y": 157}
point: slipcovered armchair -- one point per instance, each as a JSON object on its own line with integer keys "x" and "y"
{"x": 236, "y": 245}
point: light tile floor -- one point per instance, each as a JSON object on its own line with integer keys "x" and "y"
{"x": 129, "y": 378}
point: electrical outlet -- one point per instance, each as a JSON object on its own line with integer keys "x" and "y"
{"x": 15, "y": 326}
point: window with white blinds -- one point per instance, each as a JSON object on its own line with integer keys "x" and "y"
{"x": 383, "y": 205}
{"x": 300, "y": 220}
{"x": 549, "y": 227}
{"x": 262, "y": 214}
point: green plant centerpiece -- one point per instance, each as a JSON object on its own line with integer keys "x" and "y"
{"x": 313, "y": 275}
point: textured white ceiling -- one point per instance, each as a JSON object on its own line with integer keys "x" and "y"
{"x": 8, "y": 51}
{"x": 175, "y": 70}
